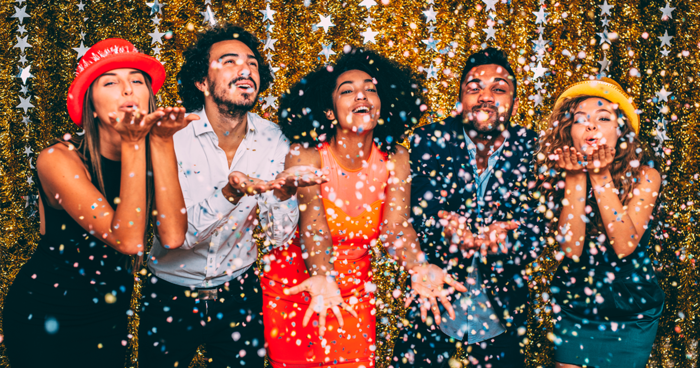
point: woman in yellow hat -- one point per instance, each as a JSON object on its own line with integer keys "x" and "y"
{"x": 601, "y": 189}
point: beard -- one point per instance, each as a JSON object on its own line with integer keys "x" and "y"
{"x": 490, "y": 124}
{"x": 233, "y": 105}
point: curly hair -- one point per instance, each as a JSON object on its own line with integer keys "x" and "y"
{"x": 625, "y": 173}
{"x": 302, "y": 109}
{"x": 196, "y": 65}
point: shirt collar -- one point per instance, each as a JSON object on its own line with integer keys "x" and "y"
{"x": 203, "y": 125}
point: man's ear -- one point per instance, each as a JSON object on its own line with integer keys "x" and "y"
{"x": 330, "y": 115}
{"x": 203, "y": 86}
{"x": 516, "y": 103}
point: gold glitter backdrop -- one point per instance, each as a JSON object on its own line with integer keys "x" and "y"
{"x": 650, "y": 46}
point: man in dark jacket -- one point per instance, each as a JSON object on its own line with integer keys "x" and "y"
{"x": 471, "y": 176}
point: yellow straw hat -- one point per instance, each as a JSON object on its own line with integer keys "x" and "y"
{"x": 604, "y": 88}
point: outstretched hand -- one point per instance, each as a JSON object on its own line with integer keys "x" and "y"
{"x": 492, "y": 238}
{"x": 287, "y": 182}
{"x": 135, "y": 125}
{"x": 325, "y": 294}
{"x": 427, "y": 286}
{"x": 173, "y": 120}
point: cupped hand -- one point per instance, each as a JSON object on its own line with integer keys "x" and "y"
{"x": 569, "y": 160}
{"x": 457, "y": 232}
{"x": 492, "y": 238}
{"x": 601, "y": 159}
{"x": 241, "y": 184}
{"x": 287, "y": 182}
{"x": 427, "y": 282}
{"x": 135, "y": 125}
{"x": 173, "y": 120}
{"x": 325, "y": 294}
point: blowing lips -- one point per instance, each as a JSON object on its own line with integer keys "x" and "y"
{"x": 128, "y": 105}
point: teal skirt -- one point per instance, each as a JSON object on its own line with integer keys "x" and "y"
{"x": 605, "y": 317}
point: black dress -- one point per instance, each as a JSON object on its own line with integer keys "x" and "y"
{"x": 69, "y": 305}
{"x": 607, "y": 308}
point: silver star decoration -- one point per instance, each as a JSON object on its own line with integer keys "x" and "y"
{"x": 23, "y": 59}
{"x": 490, "y": 32}
{"x": 155, "y": 7}
{"x": 605, "y": 22}
{"x": 81, "y": 50}
{"x": 666, "y": 11}
{"x": 82, "y": 35}
{"x": 27, "y": 150}
{"x": 155, "y": 20}
{"x": 540, "y": 29}
{"x": 537, "y": 98}
{"x": 20, "y": 14}
{"x": 22, "y": 43}
{"x": 269, "y": 58}
{"x": 430, "y": 44}
{"x": 663, "y": 94}
{"x": 268, "y": 13}
{"x": 432, "y": 71}
{"x": 81, "y": 6}
{"x": 665, "y": 39}
{"x": 540, "y": 43}
{"x": 270, "y": 101}
{"x": 327, "y": 50}
{"x": 605, "y": 8}
{"x": 665, "y": 52}
{"x": 25, "y": 73}
{"x": 661, "y": 137}
{"x": 325, "y": 23}
{"x": 368, "y": 20}
{"x": 604, "y": 36}
{"x": 20, "y": 2}
{"x": 210, "y": 15}
{"x": 539, "y": 71}
{"x": 541, "y": 16}
{"x": 369, "y": 35}
{"x": 539, "y": 85}
{"x": 429, "y": 15}
{"x": 30, "y": 181}
{"x": 431, "y": 28}
{"x": 24, "y": 90}
{"x": 273, "y": 70}
{"x": 156, "y": 50}
{"x": 368, "y": 3}
{"x": 490, "y": 5}
{"x": 604, "y": 63}
{"x": 156, "y": 36}
{"x": 21, "y": 30}
{"x": 25, "y": 104}
{"x": 270, "y": 43}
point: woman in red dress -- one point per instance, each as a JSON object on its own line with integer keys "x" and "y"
{"x": 346, "y": 121}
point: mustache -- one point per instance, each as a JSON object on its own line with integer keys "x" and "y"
{"x": 485, "y": 106}
{"x": 233, "y": 82}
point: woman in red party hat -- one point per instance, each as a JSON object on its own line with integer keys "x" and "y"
{"x": 98, "y": 192}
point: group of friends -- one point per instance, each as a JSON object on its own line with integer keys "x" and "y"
{"x": 464, "y": 211}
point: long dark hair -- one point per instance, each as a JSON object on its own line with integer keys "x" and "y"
{"x": 302, "y": 109}
{"x": 88, "y": 148}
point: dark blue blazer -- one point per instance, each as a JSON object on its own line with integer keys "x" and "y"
{"x": 442, "y": 179}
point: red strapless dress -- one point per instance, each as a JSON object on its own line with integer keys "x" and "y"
{"x": 354, "y": 203}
